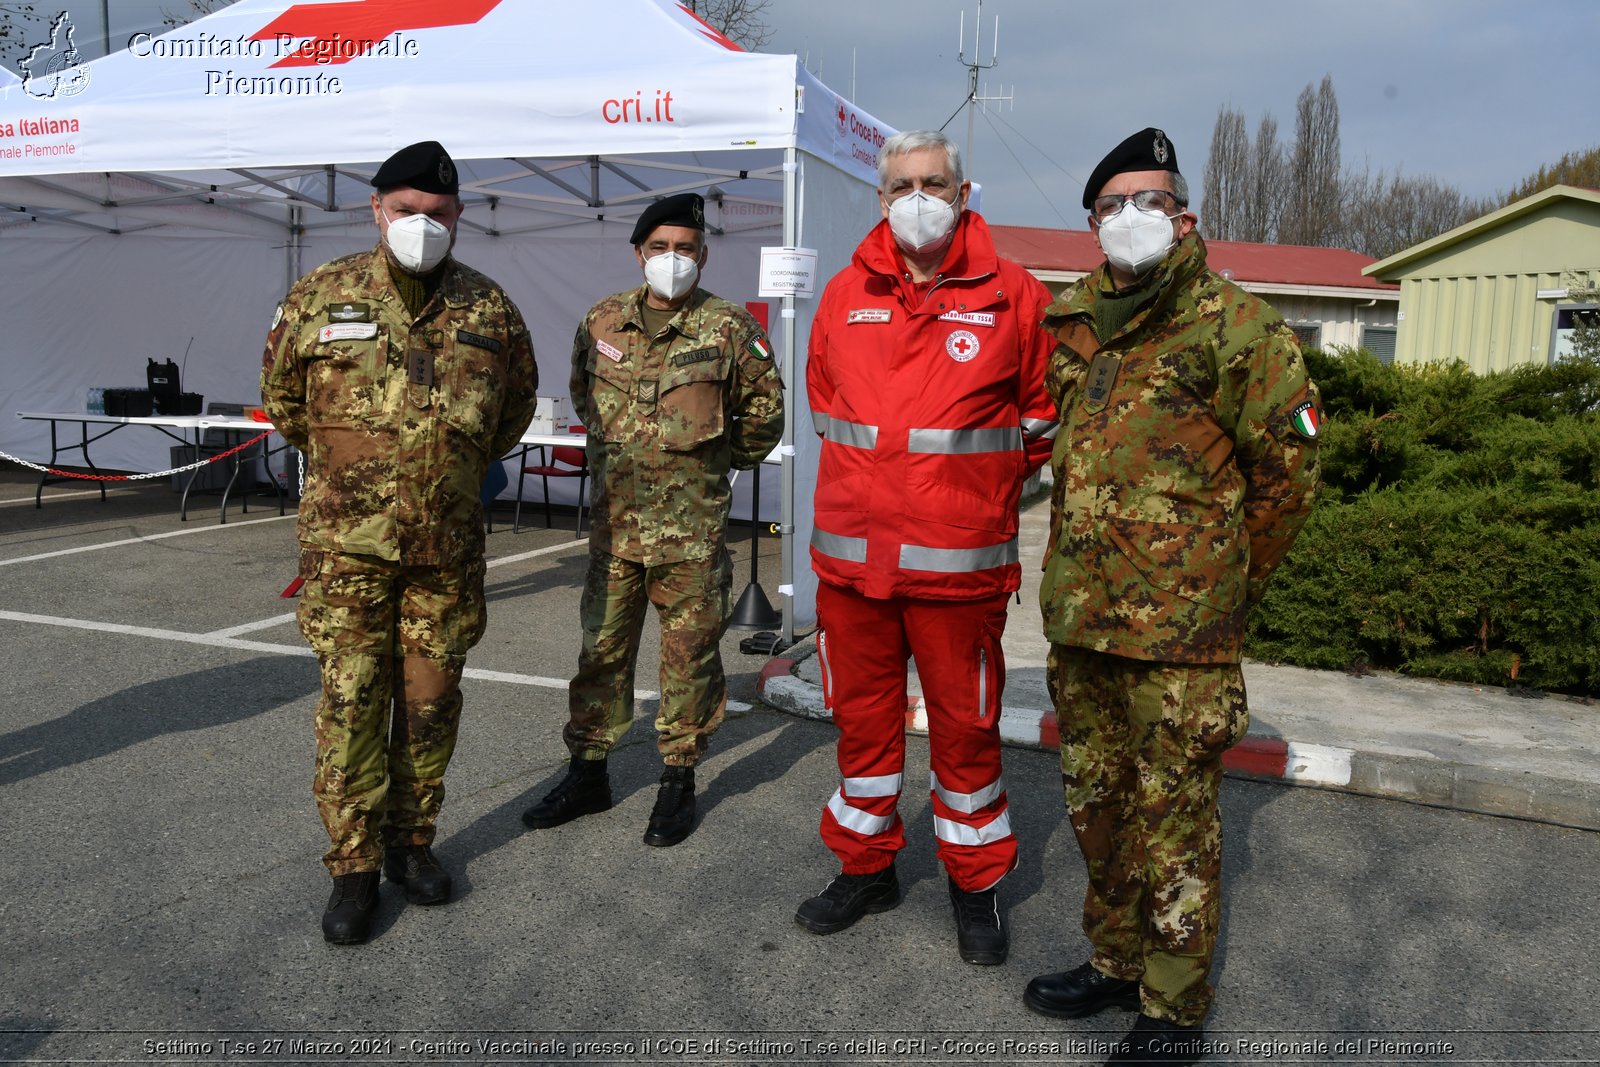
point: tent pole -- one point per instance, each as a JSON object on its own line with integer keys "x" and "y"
{"x": 791, "y": 359}
{"x": 296, "y": 232}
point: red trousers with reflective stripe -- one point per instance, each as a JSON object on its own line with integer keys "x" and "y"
{"x": 863, "y": 644}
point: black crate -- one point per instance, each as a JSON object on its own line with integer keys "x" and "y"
{"x": 177, "y": 404}
{"x": 128, "y": 403}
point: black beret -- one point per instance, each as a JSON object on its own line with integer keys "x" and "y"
{"x": 685, "y": 209}
{"x": 424, "y": 166}
{"x": 1148, "y": 149}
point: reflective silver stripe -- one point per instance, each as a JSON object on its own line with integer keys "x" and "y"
{"x": 820, "y": 421}
{"x": 951, "y": 560}
{"x": 957, "y": 442}
{"x": 959, "y": 833}
{"x": 967, "y": 803}
{"x": 849, "y": 549}
{"x": 1034, "y": 429}
{"x": 882, "y": 785}
{"x": 856, "y": 820}
{"x": 854, "y": 434}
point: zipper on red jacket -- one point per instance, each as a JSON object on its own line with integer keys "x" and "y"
{"x": 983, "y": 684}
{"x": 827, "y": 669}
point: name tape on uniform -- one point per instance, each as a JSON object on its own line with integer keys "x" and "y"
{"x": 347, "y": 331}
{"x": 971, "y": 318}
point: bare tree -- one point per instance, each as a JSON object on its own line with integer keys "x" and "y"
{"x": 1227, "y": 177}
{"x": 739, "y": 19}
{"x": 194, "y": 10}
{"x": 1267, "y": 187}
{"x": 1386, "y": 213}
{"x": 21, "y": 27}
{"x": 1301, "y": 196}
{"x": 1312, "y": 213}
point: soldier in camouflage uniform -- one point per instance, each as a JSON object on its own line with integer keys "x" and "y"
{"x": 1185, "y": 465}
{"x": 676, "y": 387}
{"x": 402, "y": 375}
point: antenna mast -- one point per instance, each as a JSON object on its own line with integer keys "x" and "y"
{"x": 976, "y": 64}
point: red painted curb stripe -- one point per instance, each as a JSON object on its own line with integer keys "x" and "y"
{"x": 773, "y": 667}
{"x": 1266, "y": 757}
{"x": 1049, "y": 732}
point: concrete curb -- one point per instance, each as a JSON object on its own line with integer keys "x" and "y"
{"x": 1264, "y": 756}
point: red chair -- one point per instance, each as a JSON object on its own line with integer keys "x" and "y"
{"x": 566, "y": 461}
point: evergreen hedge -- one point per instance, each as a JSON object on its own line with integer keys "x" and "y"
{"x": 1457, "y": 534}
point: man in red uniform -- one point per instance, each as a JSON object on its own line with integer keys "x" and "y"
{"x": 926, "y": 379}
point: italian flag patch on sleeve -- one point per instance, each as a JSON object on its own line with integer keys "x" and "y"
{"x": 1305, "y": 419}
{"x": 759, "y": 348}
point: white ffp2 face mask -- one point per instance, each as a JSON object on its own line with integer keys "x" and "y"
{"x": 1134, "y": 240}
{"x": 418, "y": 242}
{"x": 920, "y": 222}
{"x": 671, "y": 275}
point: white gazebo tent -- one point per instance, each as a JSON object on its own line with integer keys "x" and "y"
{"x": 156, "y": 203}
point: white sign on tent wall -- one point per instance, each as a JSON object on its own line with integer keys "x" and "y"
{"x": 788, "y": 272}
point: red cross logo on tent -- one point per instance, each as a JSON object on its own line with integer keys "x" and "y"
{"x": 962, "y": 345}
{"x": 323, "y": 25}
{"x": 844, "y": 117}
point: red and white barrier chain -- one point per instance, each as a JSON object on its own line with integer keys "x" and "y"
{"x": 136, "y": 477}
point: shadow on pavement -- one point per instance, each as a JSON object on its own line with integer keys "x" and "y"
{"x": 194, "y": 701}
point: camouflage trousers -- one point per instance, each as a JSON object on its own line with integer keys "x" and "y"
{"x": 1141, "y": 766}
{"x": 391, "y": 641}
{"x": 691, "y": 598}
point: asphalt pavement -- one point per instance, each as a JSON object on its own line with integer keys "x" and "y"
{"x": 161, "y": 893}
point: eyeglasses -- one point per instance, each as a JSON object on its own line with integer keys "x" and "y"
{"x": 1145, "y": 200}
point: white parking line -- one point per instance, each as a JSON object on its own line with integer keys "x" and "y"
{"x": 218, "y": 641}
{"x": 564, "y": 546}
{"x": 207, "y": 528}
{"x": 547, "y": 550}
{"x": 252, "y": 627}
{"x": 64, "y": 496}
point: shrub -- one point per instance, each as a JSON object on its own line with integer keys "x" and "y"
{"x": 1458, "y": 532}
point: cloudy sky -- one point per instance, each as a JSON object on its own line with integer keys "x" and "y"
{"x": 1477, "y": 93}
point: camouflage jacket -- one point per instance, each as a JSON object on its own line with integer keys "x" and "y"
{"x": 1185, "y": 465}
{"x": 399, "y": 418}
{"x": 668, "y": 417}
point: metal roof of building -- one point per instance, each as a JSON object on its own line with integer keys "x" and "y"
{"x": 1300, "y": 266}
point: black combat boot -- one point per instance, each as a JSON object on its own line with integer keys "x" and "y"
{"x": 980, "y": 928}
{"x": 1079, "y": 992}
{"x": 847, "y": 898}
{"x": 584, "y": 791}
{"x": 672, "y": 819}
{"x": 348, "y": 915}
{"x": 415, "y": 867}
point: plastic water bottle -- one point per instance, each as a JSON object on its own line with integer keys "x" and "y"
{"x": 97, "y": 401}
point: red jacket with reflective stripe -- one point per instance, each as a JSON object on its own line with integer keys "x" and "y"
{"x": 932, "y": 406}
